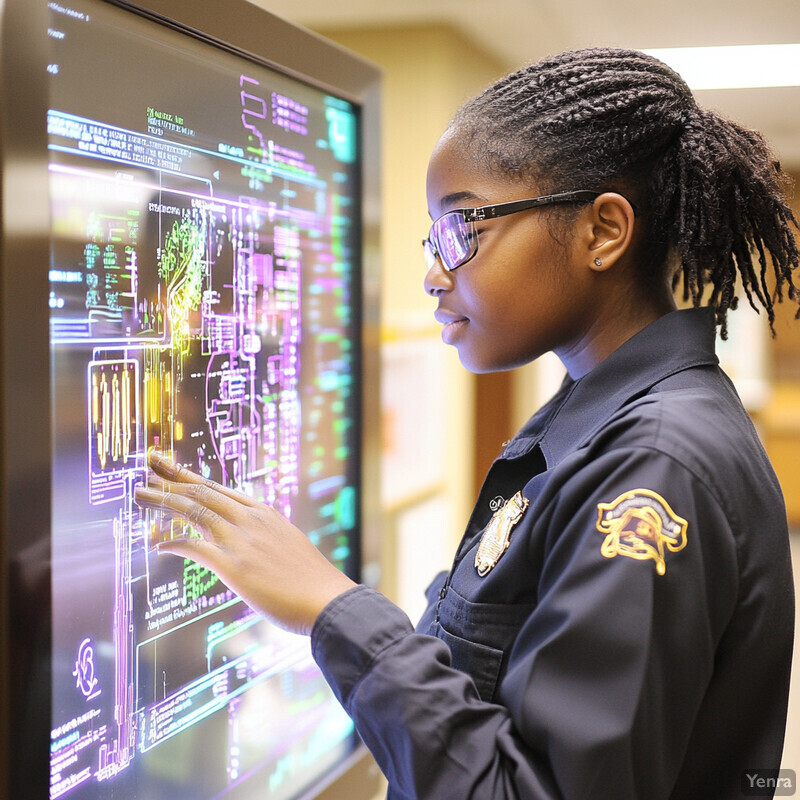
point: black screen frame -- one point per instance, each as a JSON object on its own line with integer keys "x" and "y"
{"x": 25, "y": 386}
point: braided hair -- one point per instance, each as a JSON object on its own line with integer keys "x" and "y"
{"x": 707, "y": 191}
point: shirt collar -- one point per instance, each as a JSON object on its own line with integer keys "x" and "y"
{"x": 675, "y": 342}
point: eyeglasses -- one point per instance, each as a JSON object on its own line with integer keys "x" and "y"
{"x": 454, "y": 239}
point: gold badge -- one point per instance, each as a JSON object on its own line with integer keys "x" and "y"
{"x": 640, "y": 524}
{"x": 497, "y": 535}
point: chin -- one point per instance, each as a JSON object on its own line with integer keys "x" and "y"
{"x": 482, "y": 367}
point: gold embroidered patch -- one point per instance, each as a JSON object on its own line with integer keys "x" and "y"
{"x": 640, "y": 524}
{"x": 497, "y": 535}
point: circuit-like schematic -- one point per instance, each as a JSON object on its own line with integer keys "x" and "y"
{"x": 203, "y": 302}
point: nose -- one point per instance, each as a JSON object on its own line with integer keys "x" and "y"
{"x": 438, "y": 279}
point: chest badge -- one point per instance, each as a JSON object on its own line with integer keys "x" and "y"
{"x": 640, "y": 524}
{"x": 497, "y": 535}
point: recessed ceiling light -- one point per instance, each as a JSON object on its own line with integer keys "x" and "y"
{"x": 734, "y": 66}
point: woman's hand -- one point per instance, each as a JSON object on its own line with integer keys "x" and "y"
{"x": 255, "y": 550}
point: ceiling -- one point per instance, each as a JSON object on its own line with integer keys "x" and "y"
{"x": 517, "y": 31}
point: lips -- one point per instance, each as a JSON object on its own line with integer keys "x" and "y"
{"x": 446, "y": 317}
{"x": 453, "y": 324}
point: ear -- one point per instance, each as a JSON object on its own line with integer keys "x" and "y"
{"x": 608, "y": 230}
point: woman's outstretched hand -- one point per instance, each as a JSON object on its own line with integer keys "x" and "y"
{"x": 254, "y": 549}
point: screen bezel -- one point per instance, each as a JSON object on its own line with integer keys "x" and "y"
{"x": 25, "y": 437}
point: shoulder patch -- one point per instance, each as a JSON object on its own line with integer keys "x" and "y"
{"x": 641, "y": 525}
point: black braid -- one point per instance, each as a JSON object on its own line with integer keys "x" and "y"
{"x": 707, "y": 191}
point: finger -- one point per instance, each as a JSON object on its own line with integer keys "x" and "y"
{"x": 185, "y": 547}
{"x": 178, "y": 505}
{"x": 168, "y": 470}
{"x": 209, "y": 496}
{"x": 152, "y": 496}
{"x": 160, "y": 525}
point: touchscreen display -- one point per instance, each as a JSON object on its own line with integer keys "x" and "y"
{"x": 204, "y": 300}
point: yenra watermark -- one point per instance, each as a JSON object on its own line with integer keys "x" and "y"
{"x": 768, "y": 782}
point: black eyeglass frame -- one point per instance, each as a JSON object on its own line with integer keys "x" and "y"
{"x": 472, "y": 215}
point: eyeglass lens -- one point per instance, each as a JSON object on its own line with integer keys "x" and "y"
{"x": 454, "y": 239}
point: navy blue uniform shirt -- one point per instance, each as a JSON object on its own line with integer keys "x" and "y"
{"x": 625, "y": 629}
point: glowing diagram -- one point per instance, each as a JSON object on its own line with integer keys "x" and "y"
{"x": 84, "y": 670}
{"x": 113, "y": 418}
{"x": 200, "y": 293}
{"x": 181, "y": 268}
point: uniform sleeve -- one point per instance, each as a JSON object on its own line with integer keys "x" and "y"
{"x": 607, "y": 674}
{"x": 422, "y": 720}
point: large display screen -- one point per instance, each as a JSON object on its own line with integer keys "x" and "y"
{"x": 204, "y": 296}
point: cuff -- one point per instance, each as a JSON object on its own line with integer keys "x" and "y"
{"x": 351, "y": 632}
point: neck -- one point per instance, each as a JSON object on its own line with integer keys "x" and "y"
{"x": 616, "y": 320}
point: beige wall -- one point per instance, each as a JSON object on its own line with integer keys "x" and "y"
{"x": 780, "y": 421}
{"x": 780, "y": 427}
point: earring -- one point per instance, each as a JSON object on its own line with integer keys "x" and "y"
{"x": 598, "y": 262}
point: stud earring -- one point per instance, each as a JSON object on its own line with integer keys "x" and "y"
{"x": 598, "y": 262}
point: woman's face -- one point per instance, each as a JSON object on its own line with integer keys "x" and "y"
{"x": 521, "y": 295}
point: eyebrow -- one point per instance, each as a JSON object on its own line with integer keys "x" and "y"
{"x": 455, "y": 199}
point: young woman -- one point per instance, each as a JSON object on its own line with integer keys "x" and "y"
{"x": 621, "y": 627}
